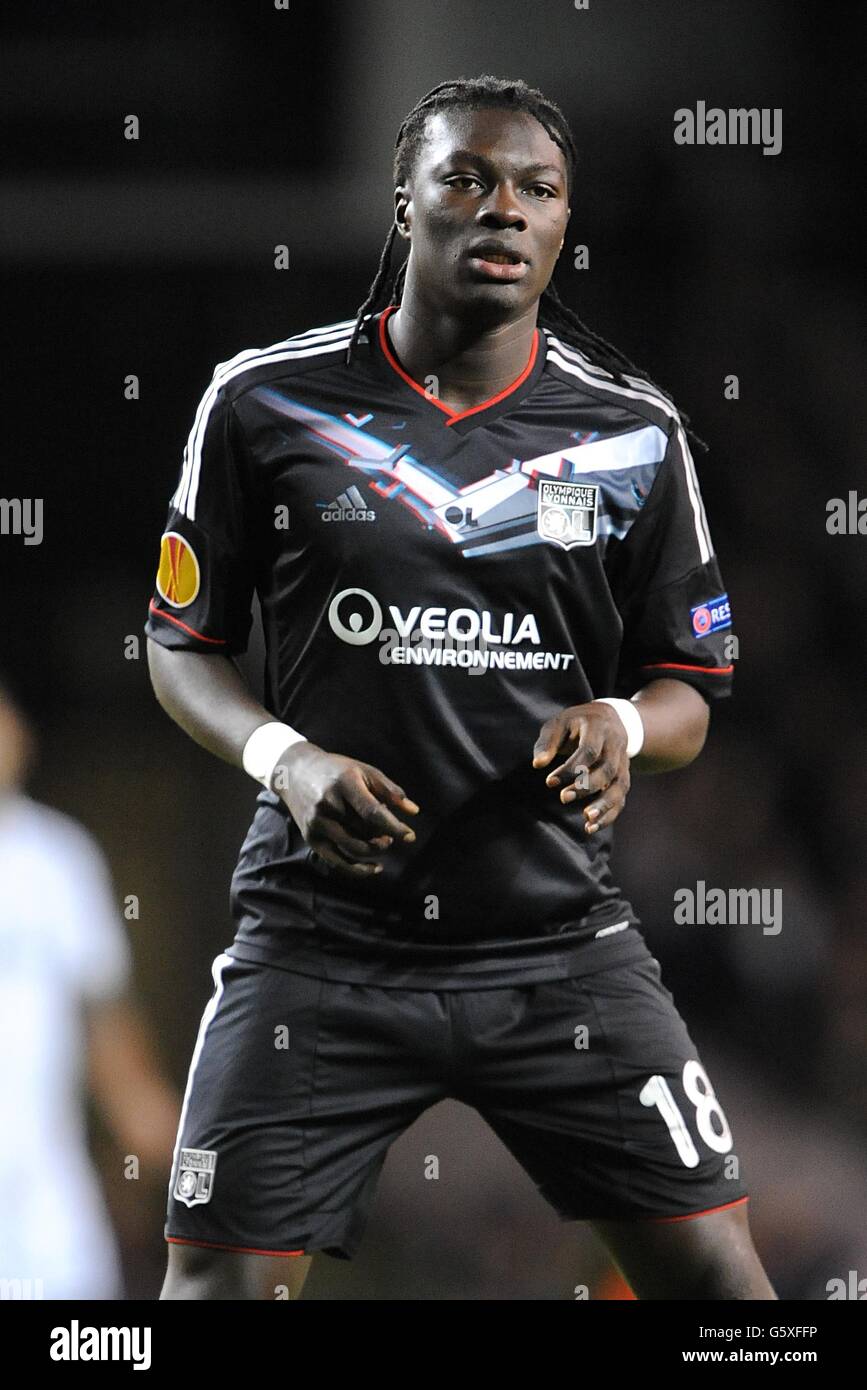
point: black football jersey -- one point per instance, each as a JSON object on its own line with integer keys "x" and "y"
{"x": 434, "y": 585}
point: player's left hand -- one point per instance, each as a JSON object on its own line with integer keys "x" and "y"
{"x": 597, "y": 766}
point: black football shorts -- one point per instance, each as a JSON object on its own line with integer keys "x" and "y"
{"x": 298, "y": 1086}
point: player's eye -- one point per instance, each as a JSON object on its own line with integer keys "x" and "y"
{"x": 544, "y": 189}
{"x": 463, "y": 179}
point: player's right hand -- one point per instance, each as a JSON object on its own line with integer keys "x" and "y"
{"x": 341, "y": 806}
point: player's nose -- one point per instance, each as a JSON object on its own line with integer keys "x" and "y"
{"x": 502, "y": 209}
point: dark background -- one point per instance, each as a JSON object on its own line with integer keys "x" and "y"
{"x": 156, "y": 257}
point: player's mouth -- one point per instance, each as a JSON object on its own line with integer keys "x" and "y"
{"x": 497, "y": 262}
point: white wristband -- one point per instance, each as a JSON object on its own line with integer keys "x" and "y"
{"x": 631, "y": 720}
{"x": 264, "y": 748}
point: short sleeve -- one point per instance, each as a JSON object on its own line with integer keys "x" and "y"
{"x": 669, "y": 589}
{"x": 205, "y": 578}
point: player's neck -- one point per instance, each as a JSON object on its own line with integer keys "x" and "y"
{"x": 470, "y": 364}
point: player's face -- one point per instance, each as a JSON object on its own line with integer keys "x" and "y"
{"x": 485, "y": 211}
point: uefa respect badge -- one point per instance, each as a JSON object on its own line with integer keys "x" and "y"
{"x": 195, "y": 1181}
{"x": 711, "y": 616}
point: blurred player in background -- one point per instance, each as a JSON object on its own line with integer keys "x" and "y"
{"x": 488, "y": 589}
{"x": 68, "y": 1027}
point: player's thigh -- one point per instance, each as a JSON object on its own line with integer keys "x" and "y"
{"x": 702, "y": 1257}
{"x": 297, "y": 1088}
{"x": 596, "y": 1087}
{"x": 197, "y": 1273}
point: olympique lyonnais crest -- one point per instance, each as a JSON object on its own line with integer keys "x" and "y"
{"x": 195, "y": 1179}
{"x": 566, "y": 512}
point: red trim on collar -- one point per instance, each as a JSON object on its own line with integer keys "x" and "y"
{"x": 454, "y": 416}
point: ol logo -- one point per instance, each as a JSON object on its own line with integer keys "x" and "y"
{"x": 566, "y": 512}
{"x": 195, "y": 1181}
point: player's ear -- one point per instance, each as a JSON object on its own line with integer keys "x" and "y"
{"x": 403, "y": 211}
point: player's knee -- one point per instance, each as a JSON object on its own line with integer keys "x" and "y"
{"x": 729, "y": 1283}
{"x": 739, "y": 1278}
{"x": 197, "y": 1273}
{"x": 725, "y": 1267}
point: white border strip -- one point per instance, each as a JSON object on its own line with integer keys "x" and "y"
{"x": 702, "y": 532}
{"x": 217, "y": 967}
{"x": 312, "y": 344}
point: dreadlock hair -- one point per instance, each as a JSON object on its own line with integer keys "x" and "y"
{"x": 473, "y": 93}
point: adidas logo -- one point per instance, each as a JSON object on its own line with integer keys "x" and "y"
{"x": 349, "y": 506}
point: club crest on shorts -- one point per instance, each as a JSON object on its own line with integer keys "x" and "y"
{"x": 195, "y": 1180}
{"x": 566, "y": 512}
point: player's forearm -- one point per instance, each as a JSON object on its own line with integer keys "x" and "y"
{"x": 136, "y": 1101}
{"x": 675, "y": 718}
{"x": 206, "y": 695}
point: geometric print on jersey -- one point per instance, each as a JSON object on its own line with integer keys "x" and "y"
{"x": 498, "y": 512}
